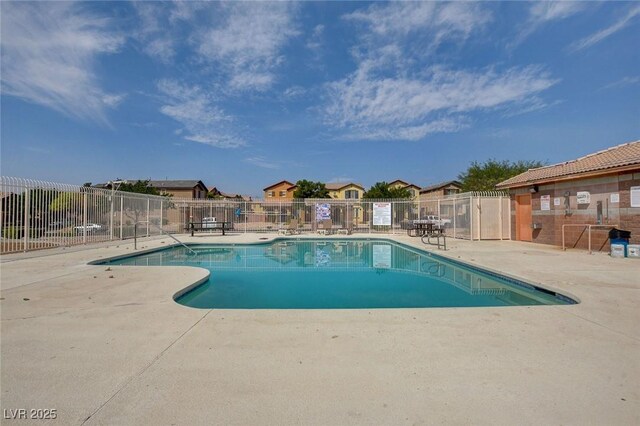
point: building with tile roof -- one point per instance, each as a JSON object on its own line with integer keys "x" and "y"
{"x": 612, "y": 160}
{"x": 601, "y": 189}
{"x": 183, "y": 188}
{"x": 282, "y": 190}
{"x": 414, "y": 190}
{"x": 442, "y": 189}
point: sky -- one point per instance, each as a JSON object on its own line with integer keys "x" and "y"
{"x": 241, "y": 95}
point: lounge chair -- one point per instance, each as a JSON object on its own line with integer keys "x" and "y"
{"x": 290, "y": 229}
{"x": 324, "y": 227}
{"x": 346, "y": 231}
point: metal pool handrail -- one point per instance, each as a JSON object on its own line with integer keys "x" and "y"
{"x": 589, "y": 226}
{"x": 135, "y": 236}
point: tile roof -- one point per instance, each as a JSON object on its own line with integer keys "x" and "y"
{"x": 440, "y": 185}
{"x": 175, "y": 184}
{"x": 404, "y": 184}
{"x": 334, "y": 186}
{"x": 622, "y": 156}
{"x": 291, "y": 185}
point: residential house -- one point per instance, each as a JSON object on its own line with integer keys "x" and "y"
{"x": 345, "y": 190}
{"x": 414, "y": 190}
{"x": 177, "y": 188}
{"x": 194, "y": 189}
{"x": 441, "y": 189}
{"x": 217, "y": 194}
{"x": 602, "y": 188}
{"x": 282, "y": 190}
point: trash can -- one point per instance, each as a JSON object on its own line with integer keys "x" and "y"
{"x": 619, "y": 237}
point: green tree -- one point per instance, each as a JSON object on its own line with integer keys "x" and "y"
{"x": 66, "y": 202}
{"x": 136, "y": 207}
{"x": 308, "y": 189}
{"x": 381, "y": 190}
{"x": 140, "y": 187}
{"x": 485, "y": 176}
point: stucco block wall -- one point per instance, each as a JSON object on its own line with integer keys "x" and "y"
{"x": 600, "y": 189}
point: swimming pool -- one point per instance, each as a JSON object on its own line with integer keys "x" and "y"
{"x": 339, "y": 274}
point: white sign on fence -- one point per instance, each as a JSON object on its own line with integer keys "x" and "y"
{"x": 615, "y": 198}
{"x": 556, "y": 201}
{"x": 381, "y": 256}
{"x": 382, "y": 214}
{"x": 323, "y": 212}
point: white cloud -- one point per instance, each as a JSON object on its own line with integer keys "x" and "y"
{"x": 403, "y": 108}
{"x": 543, "y": 12}
{"x": 153, "y": 33}
{"x": 202, "y": 120}
{"x": 294, "y": 92}
{"x": 262, "y": 162}
{"x": 623, "y": 82}
{"x": 49, "y": 51}
{"x": 606, "y": 32}
{"x": 315, "y": 41}
{"x": 247, "y": 44}
{"x": 186, "y": 10}
{"x": 398, "y": 93}
{"x": 456, "y": 20}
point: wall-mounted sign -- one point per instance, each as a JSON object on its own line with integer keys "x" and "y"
{"x": 635, "y": 196}
{"x": 615, "y": 198}
{"x": 545, "y": 202}
{"x": 583, "y": 197}
{"x": 382, "y": 214}
{"x": 557, "y": 201}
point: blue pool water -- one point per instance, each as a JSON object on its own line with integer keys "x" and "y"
{"x": 333, "y": 274}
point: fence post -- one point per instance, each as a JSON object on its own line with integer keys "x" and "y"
{"x": 472, "y": 215}
{"x": 455, "y": 214}
{"x": 121, "y": 214}
{"x": 500, "y": 215}
{"x": 161, "y": 215}
{"x": 27, "y": 217}
{"x": 111, "y": 214}
{"x": 245, "y": 217}
{"x": 84, "y": 217}
{"x": 148, "y": 208}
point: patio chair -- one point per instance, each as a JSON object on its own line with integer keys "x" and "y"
{"x": 290, "y": 229}
{"x": 324, "y": 227}
{"x": 346, "y": 230}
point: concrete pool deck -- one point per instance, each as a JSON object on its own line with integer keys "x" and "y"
{"x": 112, "y": 347}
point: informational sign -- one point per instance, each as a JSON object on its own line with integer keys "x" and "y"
{"x": 635, "y": 196}
{"x": 615, "y": 198}
{"x": 323, "y": 212}
{"x": 381, "y": 256}
{"x": 583, "y": 197}
{"x": 545, "y": 202}
{"x": 557, "y": 201}
{"x": 382, "y": 214}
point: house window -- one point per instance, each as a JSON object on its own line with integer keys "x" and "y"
{"x": 283, "y": 193}
{"x": 350, "y": 194}
{"x": 412, "y": 193}
{"x": 270, "y": 193}
{"x": 450, "y": 191}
